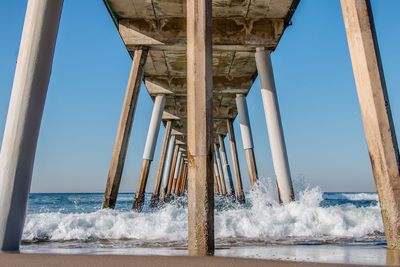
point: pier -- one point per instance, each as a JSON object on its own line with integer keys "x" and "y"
{"x": 197, "y": 60}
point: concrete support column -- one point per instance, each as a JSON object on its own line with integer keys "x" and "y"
{"x": 124, "y": 129}
{"x": 274, "y": 125}
{"x": 247, "y": 137}
{"x": 220, "y": 170}
{"x": 167, "y": 167}
{"x": 235, "y": 161}
{"x": 200, "y": 126}
{"x": 149, "y": 148}
{"x": 161, "y": 164}
{"x": 375, "y": 111}
{"x": 230, "y": 189}
{"x": 31, "y": 80}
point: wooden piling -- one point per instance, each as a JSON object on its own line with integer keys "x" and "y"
{"x": 124, "y": 129}
{"x": 179, "y": 180}
{"x": 235, "y": 162}
{"x": 200, "y": 127}
{"x": 220, "y": 171}
{"x": 184, "y": 178}
{"x": 230, "y": 189}
{"x": 375, "y": 111}
{"x": 139, "y": 197}
{"x": 161, "y": 164}
{"x": 171, "y": 175}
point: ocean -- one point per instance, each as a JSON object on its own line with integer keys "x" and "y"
{"x": 319, "y": 226}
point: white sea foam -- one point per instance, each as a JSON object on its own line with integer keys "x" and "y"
{"x": 362, "y": 196}
{"x": 263, "y": 219}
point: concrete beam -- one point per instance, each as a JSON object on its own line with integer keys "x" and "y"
{"x": 199, "y": 98}
{"x": 235, "y": 31}
{"x": 124, "y": 129}
{"x": 28, "y": 96}
{"x": 375, "y": 111}
{"x": 221, "y": 84}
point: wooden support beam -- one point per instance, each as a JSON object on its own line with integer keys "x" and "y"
{"x": 124, "y": 129}
{"x": 172, "y": 172}
{"x": 181, "y": 177}
{"x": 184, "y": 179}
{"x": 220, "y": 170}
{"x": 216, "y": 177}
{"x": 199, "y": 139}
{"x": 235, "y": 162}
{"x": 375, "y": 111}
{"x": 230, "y": 189}
{"x": 161, "y": 164}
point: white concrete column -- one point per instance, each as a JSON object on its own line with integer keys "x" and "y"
{"x": 178, "y": 165}
{"x": 154, "y": 127}
{"x": 168, "y": 164}
{"x": 148, "y": 153}
{"x": 32, "y": 75}
{"x": 230, "y": 189}
{"x": 247, "y": 137}
{"x": 274, "y": 125}
{"x": 245, "y": 129}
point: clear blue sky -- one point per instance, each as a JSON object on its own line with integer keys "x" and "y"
{"x": 321, "y": 116}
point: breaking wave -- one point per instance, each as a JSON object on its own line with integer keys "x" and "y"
{"x": 262, "y": 219}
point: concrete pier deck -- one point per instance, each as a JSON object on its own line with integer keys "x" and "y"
{"x": 239, "y": 27}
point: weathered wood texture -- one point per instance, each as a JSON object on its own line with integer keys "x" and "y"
{"x": 172, "y": 172}
{"x": 161, "y": 164}
{"x": 200, "y": 132}
{"x": 235, "y": 162}
{"x": 251, "y": 165}
{"x": 140, "y": 189}
{"x": 230, "y": 189}
{"x": 375, "y": 111}
{"x": 220, "y": 170}
{"x": 124, "y": 129}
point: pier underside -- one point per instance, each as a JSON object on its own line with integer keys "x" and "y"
{"x": 238, "y": 27}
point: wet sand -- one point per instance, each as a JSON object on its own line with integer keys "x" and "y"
{"x": 21, "y": 260}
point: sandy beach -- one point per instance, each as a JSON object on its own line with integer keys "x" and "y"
{"x": 20, "y": 260}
